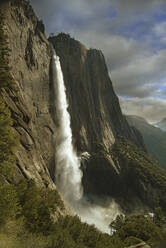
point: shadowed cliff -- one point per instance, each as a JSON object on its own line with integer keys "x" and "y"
{"x": 96, "y": 115}
{"x": 118, "y": 165}
{"x": 29, "y": 202}
{"x": 96, "y": 118}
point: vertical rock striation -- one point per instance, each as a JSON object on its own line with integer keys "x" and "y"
{"x": 30, "y": 102}
{"x": 96, "y": 115}
{"x": 96, "y": 118}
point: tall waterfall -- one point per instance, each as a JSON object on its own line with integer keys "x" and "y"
{"x": 68, "y": 172}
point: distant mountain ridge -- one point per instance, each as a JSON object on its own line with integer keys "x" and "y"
{"x": 154, "y": 138}
{"x": 161, "y": 124}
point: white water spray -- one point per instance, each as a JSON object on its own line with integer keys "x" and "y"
{"x": 68, "y": 172}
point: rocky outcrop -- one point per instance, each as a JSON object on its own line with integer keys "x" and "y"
{"x": 29, "y": 102}
{"x": 96, "y": 117}
{"x": 30, "y": 99}
{"x": 112, "y": 168}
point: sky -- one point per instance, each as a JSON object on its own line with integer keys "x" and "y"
{"x": 131, "y": 35}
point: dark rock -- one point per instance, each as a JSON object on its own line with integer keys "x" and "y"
{"x": 40, "y": 26}
{"x": 96, "y": 118}
{"x": 97, "y": 124}
{"x": 30, "y": 101}
{"x": 96, "y": 115}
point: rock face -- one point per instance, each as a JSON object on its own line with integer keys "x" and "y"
{"x": 154, "y": 137}
{"x": 141, "y": 245}
{"x": 96, "y": 117}
{"x": 111, "y": 167}
{"x": 30, "y": 102}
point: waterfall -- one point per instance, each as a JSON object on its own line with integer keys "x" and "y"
{"x": 68, "y": 172}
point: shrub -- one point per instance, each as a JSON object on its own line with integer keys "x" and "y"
{"x": 9, "y": 204}
{"x": 138, "y": 226}
{"x": 132, "y": 241}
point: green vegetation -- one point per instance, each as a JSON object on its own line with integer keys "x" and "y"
{"x": 138, "y": 227}
{"x": 36, "y": 205}
{"x": 9, "y": 204}
{"x": 27, "y": 219}
{"x": 28, "y": 223}
{"x": 141, "y": 173}
{"x": 145, "y": 166}
{"x": 28, "y": 213}
{"x": 154, "y": 138}
{"x": 8, "y": 142}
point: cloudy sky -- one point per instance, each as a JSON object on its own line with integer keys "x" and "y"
{"x": 132, "y": 36}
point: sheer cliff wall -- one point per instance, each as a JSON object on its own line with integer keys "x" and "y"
{"x": 96, "y": 115}
{"x": 31, "y": 100}
{"x": 96, "y": 118}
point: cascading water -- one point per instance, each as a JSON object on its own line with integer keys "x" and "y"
{"x": 68, "y": 172}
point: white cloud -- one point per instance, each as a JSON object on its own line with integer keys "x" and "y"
{"x": 136, "y": 70}
{"x": 142, "y": 76}
{"x": 160, "y": 31}
{"x": 151, "y": 109}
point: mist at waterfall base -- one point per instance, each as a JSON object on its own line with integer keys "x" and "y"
{"x": 68, "y": 173}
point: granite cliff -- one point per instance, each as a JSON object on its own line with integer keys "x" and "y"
{"x": 96, "y": 118}
{"x": 117, "y": 157}
{"x": 29, "y": 104}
